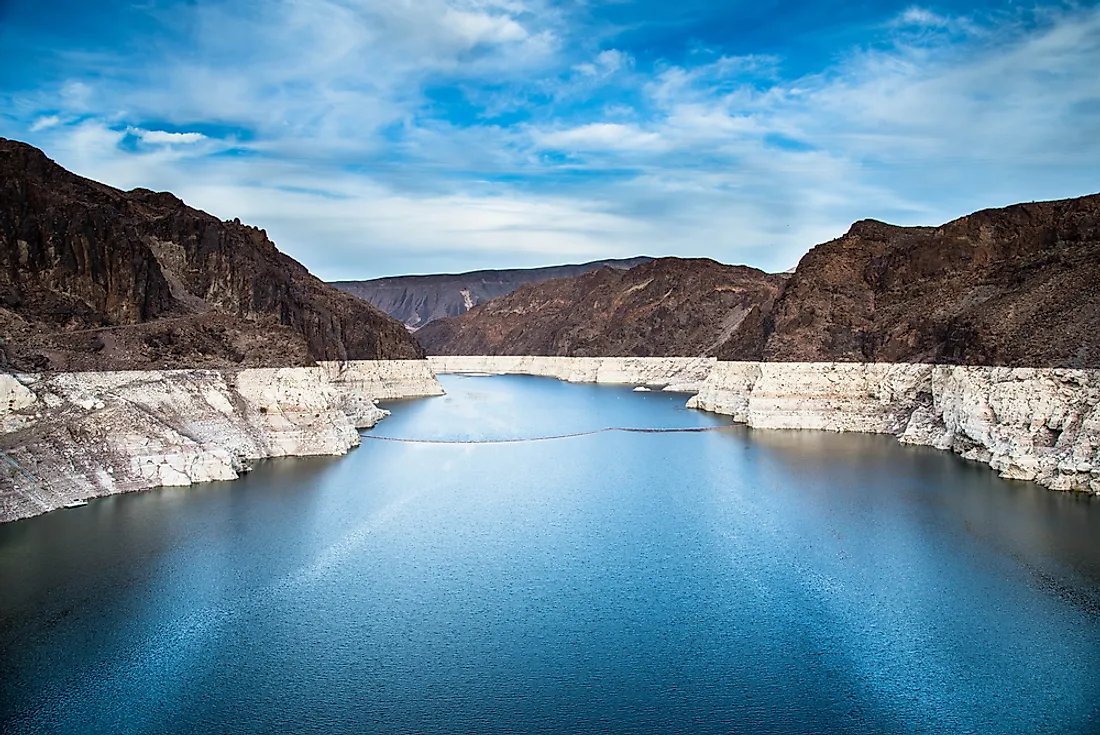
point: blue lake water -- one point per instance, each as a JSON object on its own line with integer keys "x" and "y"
{"x": 729, "y": 581}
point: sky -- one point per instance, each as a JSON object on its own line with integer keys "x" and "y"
{"x": 385, "y": 137}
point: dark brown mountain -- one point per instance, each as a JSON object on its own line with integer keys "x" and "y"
{"x": 92, "y": 277}
{"x": 417, "y": 300}
{"x": 1016, "y": 286}
{"x": 670, "y": 306}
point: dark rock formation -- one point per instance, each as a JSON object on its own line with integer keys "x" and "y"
{"x": 667, "y": 307}
{"x": 1016, "y": 286}
{"x": 417, "y": 300}
{"x": 96, "y": 278}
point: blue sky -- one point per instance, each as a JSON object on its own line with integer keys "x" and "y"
{"x": 376, "y": 137}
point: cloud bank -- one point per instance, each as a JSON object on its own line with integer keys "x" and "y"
{"x": 374, "y": 138}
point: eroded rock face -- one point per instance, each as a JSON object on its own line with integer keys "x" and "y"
{"x": 93, "y": 278}
{"x": 1001, "y": 287}
{"x": 1013, "y": 286}
{"x": 417, "y": 300}
{"x": 1027, "y": 423}
{"x": 679, "y": 374}
{"x": 668, "y": 307}
{"x": 71, "y": 436}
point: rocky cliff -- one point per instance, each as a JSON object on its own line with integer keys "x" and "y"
{"x": 667, "y": 307}
{"x": 677, "y": 374}
{"x": 1013, "y": 286}
{"x": 93, "y": 278}
{"x": 1002, "y": 287}
{"x": 1037, "y": 424}
{"x": 417, "y": 300}
{"x": 67, "y": 437}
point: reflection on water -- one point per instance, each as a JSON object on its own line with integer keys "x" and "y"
{"x": 746, "y": 581}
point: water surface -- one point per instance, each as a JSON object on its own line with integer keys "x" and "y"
{"x": 730, "y": 581}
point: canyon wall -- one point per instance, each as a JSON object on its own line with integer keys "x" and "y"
{"x": 669, "y": 307}
{"x": 418, "y": 300}
{"x": 1038, "y": 424}
{"x": 67, "y": 437}
{"x": 683, "y": 374}
{"x": 1011, "y": 287}
{"x": 94, "y": 278}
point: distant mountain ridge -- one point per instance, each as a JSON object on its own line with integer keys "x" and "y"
{"x": 418, "y": 300}
{"x": 1017, "y": 286}
{"x": 95, "y": 278}
{"x": 666, "y": 307}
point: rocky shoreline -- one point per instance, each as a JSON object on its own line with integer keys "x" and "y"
{"x": 1036, "y": 424}
{"x": 679, "y": 374}
{"x": 68, "y": 437}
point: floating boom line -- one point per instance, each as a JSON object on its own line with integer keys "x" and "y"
{"x": 632, "y": 429}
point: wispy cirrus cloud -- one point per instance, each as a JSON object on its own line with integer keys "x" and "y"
{"x": 378, "y": 137}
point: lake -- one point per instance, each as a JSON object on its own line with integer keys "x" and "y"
{"x": 726, "y": 581}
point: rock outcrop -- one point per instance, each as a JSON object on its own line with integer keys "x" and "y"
{"x": 418, "y": 300}
{"x": 670, "y": 307}
{"x": 1001, "y": 287}
{"x": 93, "y": 278}
{"x": 679, "y": 374}
{"x": 71, "y": 436}
{"x": 1032, "y": 424}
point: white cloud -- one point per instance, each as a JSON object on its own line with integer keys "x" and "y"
{"x": 599, "y": 137}
{"x": 916, "y": 16}
{"x": 42, "y": 123}
{"x": 606, "y": 63}
{"x": 476, "y": 28}
{"x": 166, "y": 138}
{"x": 351, "y": 171}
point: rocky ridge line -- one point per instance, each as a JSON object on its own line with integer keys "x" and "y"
{"x": 668, "y": 307}
{"x": 418, "y": 300}
{"x": 94, "y": 278}
{"x": 1001, "y": 287}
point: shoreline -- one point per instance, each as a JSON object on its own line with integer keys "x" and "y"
{"x": 1035, "y": 424}
{"x": 68, "y": 437}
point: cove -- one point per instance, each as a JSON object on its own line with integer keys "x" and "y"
{"x": 718, "y": 581}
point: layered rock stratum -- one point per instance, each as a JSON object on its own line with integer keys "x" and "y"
{"x": 677, "y": 374}
{"x": 418, "y": 300}
{"x": 94, "y": 278}
{"x": 667, "y": 307}
{"x": 68, "y": 437}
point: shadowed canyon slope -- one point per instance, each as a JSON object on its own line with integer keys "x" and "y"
{"x": 670, "y": 306}
{"x": 1015, "y": 286}
{"x": 418, "y": 300}
{"x": 97, "y": 278}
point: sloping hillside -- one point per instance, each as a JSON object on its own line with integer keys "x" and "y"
{"x": 670, "y": 306}
{"x": 418, "y": 300}
{"x": 1015, "y": 286}
{"x": 92, "y": 277}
